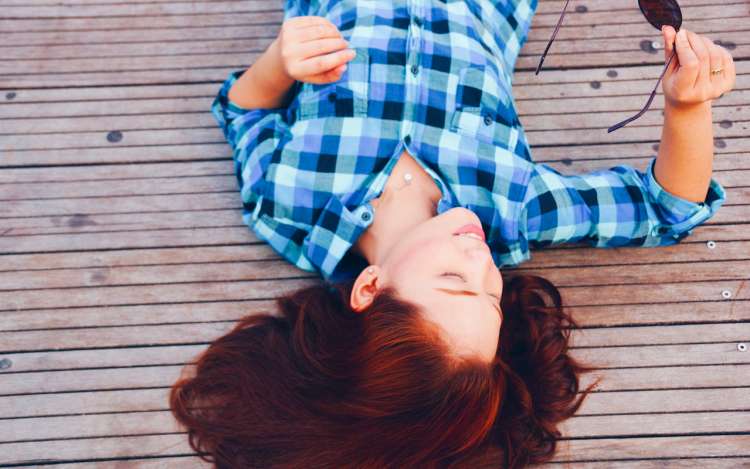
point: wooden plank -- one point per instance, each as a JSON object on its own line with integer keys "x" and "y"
{"x": 96, "y": 448}
{"x": 653, "y": 447}
{"x": 12, "y": 145}
{"x": 666, "y": 313}
{"x": 662, "y": 401}
{"x": 107, "y": 107}
{"x": 82, "y": 348}
{"x": 54, "y": 125}
{"x": 182, "y": 74}
{"x": 209, "y": 291}
{"x": 658, "y": 293}
{"x": 563, "y": 255}
{"x": 98, "y": 316}
{"x": 597, "y": 403}
{"x": 142, "y": 377}
{"x": 135, "y": 257}
{"x": 709, "y": 376}
{"x": 89, "y": 380}
{"x": 145, "y": 170}
{"x": 203, "y": 332}
{"x": 198, "y": 235}
{"x": 569, "y": 276}
{"x": 731, "y": 212}
{"x": 203, "y": 291}
{"x": 35, "y": 118}
{"x": 152, "y": 422}
{"x": 77, "y": 72}
{"x": 546, "y": 7}
{"x": 721, "y": 462}
{"x": 218, "y": 150}
{"x": 122, "y": 93}
{"x": 174, "y": 131}
{"x": 29, "y": 54}
{"x": 571, "y": 450}
{"x": 181, "y": 462}
{"x": 153, "y": 30}
{"x": 136, "y": 9}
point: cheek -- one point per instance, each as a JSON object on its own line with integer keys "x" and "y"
{"x": 418, "y": 256}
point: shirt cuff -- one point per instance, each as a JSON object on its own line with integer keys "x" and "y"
{"x": 679, "y": 215}
{"x": 232, "y": 117}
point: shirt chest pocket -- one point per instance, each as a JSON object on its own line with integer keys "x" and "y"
{"x": 348, "y": 97}
{"x": 484, "y": 108}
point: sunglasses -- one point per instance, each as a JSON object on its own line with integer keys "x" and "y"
{"x": 657, "y": 12}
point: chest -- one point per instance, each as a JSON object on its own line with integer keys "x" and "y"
{"x": 408, "y": 171}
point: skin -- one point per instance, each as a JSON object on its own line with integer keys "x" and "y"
{"x": 411, "y": 248}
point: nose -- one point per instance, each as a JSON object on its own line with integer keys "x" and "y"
{"x": 480, "y": 259}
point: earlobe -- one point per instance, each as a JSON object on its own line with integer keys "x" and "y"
{"x": 364, "y": 290}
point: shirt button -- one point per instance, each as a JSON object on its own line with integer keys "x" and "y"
{"x": 414, "y": 69}
{"x": 332, "y": 97}
{"x": 418, "y": 21}
{"x": 366, "y": 216}
{"x": 407, "y": 139}
{"x": 487, "y": 119}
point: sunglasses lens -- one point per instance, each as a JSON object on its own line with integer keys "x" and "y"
{"x": 662, "y": 12}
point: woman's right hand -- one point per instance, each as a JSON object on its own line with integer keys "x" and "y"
{"x": 311, "y": 49}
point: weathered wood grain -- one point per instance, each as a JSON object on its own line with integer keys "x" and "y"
{"x": 134, "y": 257}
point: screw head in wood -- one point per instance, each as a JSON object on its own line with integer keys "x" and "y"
{"x": 711, "y": 244}
{"x": 726, "y": 294}
{"x": 742, "y": 347}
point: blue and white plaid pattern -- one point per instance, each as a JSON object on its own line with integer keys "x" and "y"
{"x": 434, "y": 78}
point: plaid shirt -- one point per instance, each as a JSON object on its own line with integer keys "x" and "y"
{"x": 433, "y": 78}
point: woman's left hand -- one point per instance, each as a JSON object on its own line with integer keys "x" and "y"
{"x": 688, "y": 81}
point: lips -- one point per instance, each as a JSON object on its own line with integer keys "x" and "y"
{"x": 471, "y": 228}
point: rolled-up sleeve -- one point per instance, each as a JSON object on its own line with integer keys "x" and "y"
{"x": 253, "y": 134}
{"x": 620, "y": 206}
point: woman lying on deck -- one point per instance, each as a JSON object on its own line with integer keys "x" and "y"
{"x": 378, "y": 144}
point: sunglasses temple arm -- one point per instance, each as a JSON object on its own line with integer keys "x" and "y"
{"x": 541, "y": 60}
{"x": 648, "y": 103}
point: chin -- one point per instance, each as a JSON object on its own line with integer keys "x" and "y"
{"x": 464, "y": 216}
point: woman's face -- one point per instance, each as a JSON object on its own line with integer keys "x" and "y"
{"x": 452, "y": 277}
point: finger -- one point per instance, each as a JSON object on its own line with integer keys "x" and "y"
{"x": 309, "y": 49}
{"x": 689, "y": 65}
{"x": 303, "y": 21}
{"x": 669, "y": 37}
{"x": 729, "y": 66}
{"x": 668, "y": 34}
{"x": 729, "y": 72}
{"x": 702, "y": 53}
{"x": 323, "y": 63}
{"x": 336, "y": 73}
{"x": 716, "y": 60}
{"x": 315, "y": 31}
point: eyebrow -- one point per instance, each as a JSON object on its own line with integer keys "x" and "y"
{"x": 469, "y": 293}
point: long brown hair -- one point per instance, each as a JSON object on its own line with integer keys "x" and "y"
{"x": 321, "y": 386}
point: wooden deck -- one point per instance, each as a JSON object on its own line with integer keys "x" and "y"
{"x": 123, "y": 253}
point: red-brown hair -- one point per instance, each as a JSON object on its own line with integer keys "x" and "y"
{"x": 320, "y": 386}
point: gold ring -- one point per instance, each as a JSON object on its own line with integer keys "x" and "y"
{"x": 718, "y": 70}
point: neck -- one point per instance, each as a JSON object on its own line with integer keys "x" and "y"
{"x": 396, "y": 213}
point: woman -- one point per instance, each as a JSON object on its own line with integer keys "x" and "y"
{"x": 378, "y": 145}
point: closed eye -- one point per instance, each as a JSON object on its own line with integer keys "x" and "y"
{"x": 456, "y": 274}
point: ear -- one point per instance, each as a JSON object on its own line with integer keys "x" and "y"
{"x": 365, "y": 288}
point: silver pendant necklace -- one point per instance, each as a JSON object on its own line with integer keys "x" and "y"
{"x": 407, "y": 179}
